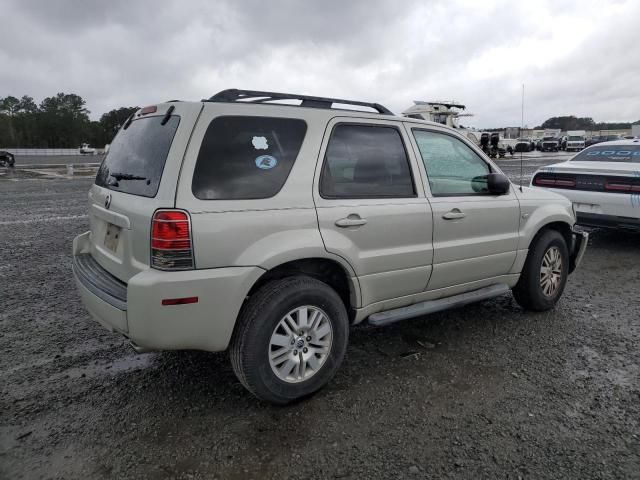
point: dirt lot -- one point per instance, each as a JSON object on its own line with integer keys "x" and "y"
{"x": 487, "y": 391}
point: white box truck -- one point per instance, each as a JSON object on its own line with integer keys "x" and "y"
{"x": 575, "y": 140}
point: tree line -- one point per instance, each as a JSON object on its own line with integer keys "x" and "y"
{"x": 570, "y": 122}
{"x": 60, "y": 121}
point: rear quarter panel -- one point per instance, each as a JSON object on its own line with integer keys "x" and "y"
{"x": 257, "y": 232}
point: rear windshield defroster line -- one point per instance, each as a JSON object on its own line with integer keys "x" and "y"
{"x": 610, "y": 153}
{"x": 137, "y": 156}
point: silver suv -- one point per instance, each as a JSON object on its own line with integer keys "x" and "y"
{"x": 268, "y": 228}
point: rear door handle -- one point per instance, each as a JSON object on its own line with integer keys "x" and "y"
{"x": 454, "y": 214}
{"x": 353, "y": 220}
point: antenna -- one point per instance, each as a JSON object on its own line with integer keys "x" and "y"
{"x": 521, "y": 129}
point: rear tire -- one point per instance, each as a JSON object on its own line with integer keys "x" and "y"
{"x": 290, "y": 339}
{"x": 545, "y": 272}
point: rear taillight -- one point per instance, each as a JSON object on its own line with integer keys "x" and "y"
{"x": 171, "y": 246}
{"x": 554, "y": 181}
{"x": 621, "y": 186}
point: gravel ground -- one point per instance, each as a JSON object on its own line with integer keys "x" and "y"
{"x": 487, "y": 391}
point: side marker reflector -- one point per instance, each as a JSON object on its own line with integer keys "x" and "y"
{"x": 179, "y": 301}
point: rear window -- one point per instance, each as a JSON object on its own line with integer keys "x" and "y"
{"x": 137, "y": 156}
{"x": 610, "y": 153}
{"x": 246, "y": 157}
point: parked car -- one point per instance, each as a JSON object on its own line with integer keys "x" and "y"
{"x": 268, "y": 229}
{"x": 523, "y": 145}
{"x": 85, "y": 149}
{"x": 592, "y": 141}
{"x": 7, "y": 159}
{"x": 550, "y": 144}
{"x": 602, "y": 138}
{"x": 602, "y": 182}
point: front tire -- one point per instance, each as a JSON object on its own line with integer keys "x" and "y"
{"x": 545, "y": 272}
{"x": 290, "y": 339}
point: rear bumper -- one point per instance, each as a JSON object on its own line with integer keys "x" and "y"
{"x": 140, "y": 315}
{"x": 590, "y": 205}
{"x": 608, "y": 221}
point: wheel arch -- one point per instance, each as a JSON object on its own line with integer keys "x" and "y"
{"x": 330, "y": 271}
{"x": 560, "y": 226}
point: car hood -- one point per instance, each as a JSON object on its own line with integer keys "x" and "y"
{"x": 544, "y": 195}
{"x": 532, "y": 199}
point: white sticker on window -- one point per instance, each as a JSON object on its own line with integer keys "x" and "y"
{"x": 260, "y": 143}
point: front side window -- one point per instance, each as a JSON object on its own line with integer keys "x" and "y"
{"x": 366, "y": 161}
{"x": 246, "y": 157}
{"x": 452, "y": 167}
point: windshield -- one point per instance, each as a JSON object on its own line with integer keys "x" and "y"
{"x": 576, "y": 138}
{"x": 610, "y": 153}
{"x": 137, "y": 156}
{"x": 549, "y": 138}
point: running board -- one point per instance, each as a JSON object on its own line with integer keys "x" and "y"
{"x": 433, "y": 306}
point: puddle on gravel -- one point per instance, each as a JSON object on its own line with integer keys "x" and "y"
{"x": 120, "y": 365}
{"x": 25, "y": 173}
{"x": 602, "y": 371}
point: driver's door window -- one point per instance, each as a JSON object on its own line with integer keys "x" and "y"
{"x": 452, "y": 167}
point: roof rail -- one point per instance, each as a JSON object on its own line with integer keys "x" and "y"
{"x": 254, "y": 96}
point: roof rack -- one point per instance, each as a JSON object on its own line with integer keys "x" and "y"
{"x": 254, "y": 96}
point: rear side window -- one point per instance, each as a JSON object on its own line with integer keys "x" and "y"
{"x": 365, "y": 161}
{"x": 246, "y": 157}
{"x": 137, "y": 156}
{"x": 610, "y": 153}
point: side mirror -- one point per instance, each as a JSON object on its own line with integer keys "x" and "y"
{"x": 498, "y": 184}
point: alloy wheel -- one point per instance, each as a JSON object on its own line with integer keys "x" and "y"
{"x": 300, "y": 344}
{"x": 551, "y": 271}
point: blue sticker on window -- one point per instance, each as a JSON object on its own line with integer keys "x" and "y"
{"x": 266, "y": 162}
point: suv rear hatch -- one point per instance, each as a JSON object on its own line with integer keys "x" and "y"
{"x": 138, "y": 176}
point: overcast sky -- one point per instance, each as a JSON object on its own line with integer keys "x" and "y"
{"x": 574, "y": 57}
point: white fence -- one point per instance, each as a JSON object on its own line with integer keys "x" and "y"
{"x": 43, "y": 151}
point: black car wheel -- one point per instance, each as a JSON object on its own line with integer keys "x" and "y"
{"x": 290, "y": 339}
{"x": 545, "y": 272}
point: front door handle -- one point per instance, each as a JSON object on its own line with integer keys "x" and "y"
{"x": 454, "y": 214}
{"x": 353, "y": 220}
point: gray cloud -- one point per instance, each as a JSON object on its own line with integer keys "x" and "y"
{"x": 575, "y": 57}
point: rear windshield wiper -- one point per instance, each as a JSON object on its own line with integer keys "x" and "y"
{"x": 126, "y": 176}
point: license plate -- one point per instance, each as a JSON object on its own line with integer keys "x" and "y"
{"x": 111, "y": 237}
{"x": 587, "y": 208}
